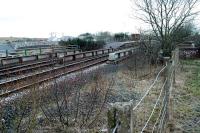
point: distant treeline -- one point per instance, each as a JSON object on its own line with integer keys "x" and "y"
{"x": 84, "y": 45}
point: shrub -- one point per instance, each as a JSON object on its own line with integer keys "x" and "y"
{"x": 84, "y": 45}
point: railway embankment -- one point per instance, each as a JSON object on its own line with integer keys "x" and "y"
{"x": 77, "y": 102}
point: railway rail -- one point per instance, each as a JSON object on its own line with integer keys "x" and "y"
{"x": 26, "y": 68}
{"x": 65, "y": 59}
{"x": 19, "y": 84}
{"x": 13, "y": 68}
{"x": 77, "y": 62}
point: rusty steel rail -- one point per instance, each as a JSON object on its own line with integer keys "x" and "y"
{"x": 26, "y": 69}
{"x": 93, "y": 61}
{"x": 21, "y": 69}
{"x": 13, "y": 68}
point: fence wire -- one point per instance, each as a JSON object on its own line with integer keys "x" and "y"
{"x": 157, "y": 101}
{"x": 149, "y": 89}
{"x": 165, "y": 101}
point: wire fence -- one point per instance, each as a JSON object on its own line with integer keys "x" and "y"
{"x": 164, "y": 98}
{"x": 157, "y": 111}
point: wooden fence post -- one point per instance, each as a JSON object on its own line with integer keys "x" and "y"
{"x": 170, "y": 77}
{"x": 167, "y": 93}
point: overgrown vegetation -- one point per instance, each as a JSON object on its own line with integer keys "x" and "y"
{"x": 121, "y": 37}
{"x": 77, "y": 103}
{"x": 71, "y": 105}
{"x": 84, "y": 45}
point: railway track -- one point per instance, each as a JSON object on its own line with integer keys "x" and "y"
{"x": 13, "y": 68}
{"x": 25, "y": 82}
{"x": 25, "y": 68}
{"x": 15, "y": 71}
{"x": 25, "y": 64}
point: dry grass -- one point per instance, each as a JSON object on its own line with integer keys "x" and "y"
{"x": 187, "y": 97}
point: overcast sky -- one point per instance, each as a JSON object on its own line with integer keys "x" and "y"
{"x": 37, "y": 18}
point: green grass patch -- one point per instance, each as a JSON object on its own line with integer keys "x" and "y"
{"x": 190, "y": 62}
{"x": 193, "y": 80}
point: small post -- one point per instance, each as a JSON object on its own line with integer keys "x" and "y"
{"x": 6, "y": 53}
{"x": 118, "y": 55}
{"x": 84, "y": 55}
{"x": 25, "y": 52}
{"x": 20, "y": 59}
{"x": 74, "y": 57}
{"x": 36, "y": 57}
{"x": 40, "y": 50}
{"x": 52, "y": 49}
{"x": 56, "y": 55}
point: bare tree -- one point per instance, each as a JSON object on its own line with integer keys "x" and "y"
{"x": 166, "y": 17}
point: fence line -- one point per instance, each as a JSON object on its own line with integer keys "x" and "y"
{"x": 163, "y": 100}
{"x": 155, "y": 106}
{"x": 160, "y": 114}
{"x": 164, "y": 114}
{"x": 148, "y": 90}
{"x": 162, "y": 117}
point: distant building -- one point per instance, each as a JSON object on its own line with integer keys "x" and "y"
{"x": 135, "y": 37}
